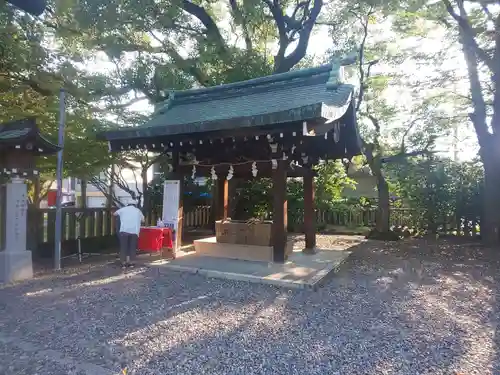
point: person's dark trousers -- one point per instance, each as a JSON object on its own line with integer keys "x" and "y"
{"x": 128, "y": 246}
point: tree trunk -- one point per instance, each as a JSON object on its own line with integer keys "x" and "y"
{"x": 489, "y": 143}
{"x": 83, "y": 187}
{"x": 490, "y": 221}
{"x": 383, "y": 209}
{"x": 382, "y": 224}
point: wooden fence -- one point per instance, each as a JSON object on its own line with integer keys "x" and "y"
{"x": 349, "y": 217}
{"x": 95, "y": 227}
{"x": 196, "y": 217}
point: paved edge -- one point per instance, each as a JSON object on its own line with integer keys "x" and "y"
{"x": 316, "y": 281}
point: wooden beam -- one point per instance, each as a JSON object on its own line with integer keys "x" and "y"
{"x": 309, "y": 213}
{"x": 253, "y": 143}
{"x": 280, "y": 217}
{"x": 185, "y": 142}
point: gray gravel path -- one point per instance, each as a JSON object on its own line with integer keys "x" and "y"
{"x": 411, "y": 308}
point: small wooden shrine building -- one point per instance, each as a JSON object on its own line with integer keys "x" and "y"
{"x": 20, "y": 144}
{"x": 277, "y": 126}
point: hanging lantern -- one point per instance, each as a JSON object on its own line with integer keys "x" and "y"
{"x": 305, "y": 159}
{"x": 274, "y": 164}
{"x": 254, "y": 169}
{"x": 193, "y": 174}
{"x": 213, "y": 174}
{"x": 274, "y": 147}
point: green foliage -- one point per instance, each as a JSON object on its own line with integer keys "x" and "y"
{"x": 153, "y": 47}
{"x": 32, "y": 71}
{"x": 331, "y": 180}
{"x": 439, "y": 191}
{"x": 254, "y": 198}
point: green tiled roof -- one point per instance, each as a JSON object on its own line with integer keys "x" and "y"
{"x": 294, "y": 96}
{"x": 26, "y": 131}
{"x": 14, "y": 134}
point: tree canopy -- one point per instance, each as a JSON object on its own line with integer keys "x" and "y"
{"x": 426, "y": 74}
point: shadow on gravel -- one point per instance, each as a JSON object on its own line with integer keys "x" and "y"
{"x": 410, "y": 307}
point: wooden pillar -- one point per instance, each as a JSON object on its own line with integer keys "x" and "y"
{"x": 309, "y": 212}
{"x": 177, "y": 175}
{"x": 213, "y": 206}
{"x": 225, "y": 199}
{"x": 180, "y": 225}
{"x": 280, "y": 215}
{"x": 220, "y": 200}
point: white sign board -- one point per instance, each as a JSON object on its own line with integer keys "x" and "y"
{"x": 171, "y": 197}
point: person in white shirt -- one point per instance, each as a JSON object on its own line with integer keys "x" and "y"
{"x": 130, "y": 225}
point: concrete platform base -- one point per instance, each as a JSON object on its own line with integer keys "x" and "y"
{"x": 211, "y": 248}
{"x": 15, "y": 266}
{"x": 300, "y": 271}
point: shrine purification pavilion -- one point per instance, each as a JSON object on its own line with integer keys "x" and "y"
{"x": 276, "y": 126}
{"x": 20, "y": 144}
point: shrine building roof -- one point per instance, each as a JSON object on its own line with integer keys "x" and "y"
{"x": 313, "y": 94}
{"x": 24, "y": 135}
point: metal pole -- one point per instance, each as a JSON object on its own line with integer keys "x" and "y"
{"x": 79, "y": 249}
{"x": 58, "y": 234}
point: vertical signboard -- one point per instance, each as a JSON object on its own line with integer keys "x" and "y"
{"x": 171, "y": 199}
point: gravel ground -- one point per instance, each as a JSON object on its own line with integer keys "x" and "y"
{"x": 417, "y": 307}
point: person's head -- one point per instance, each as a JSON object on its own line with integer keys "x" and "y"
{"x": 132, "y": 203}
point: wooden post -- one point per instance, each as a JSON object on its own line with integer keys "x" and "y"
{"x": 280, "y": 216}
{"x": 309, "y": 214}
{"x": 177, "y": 175}
{"x": 180, "y": 213}
{"x": 213, "y": 206}
{"x": 221, "y": 199}
{"x": 225, "y": 199}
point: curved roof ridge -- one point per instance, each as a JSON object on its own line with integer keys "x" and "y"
{"x": 174, "y": 95}
{"x": 273, "y": 78}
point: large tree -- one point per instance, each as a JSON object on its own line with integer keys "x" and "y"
{"x": 474, "y": 28}
{"x": 479, "y": 36}
{"x": 157, "y": 46}
{"x": 393, "y": 127}
{"x": 32, "y": 72}
{"x": 164, "y": 45}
